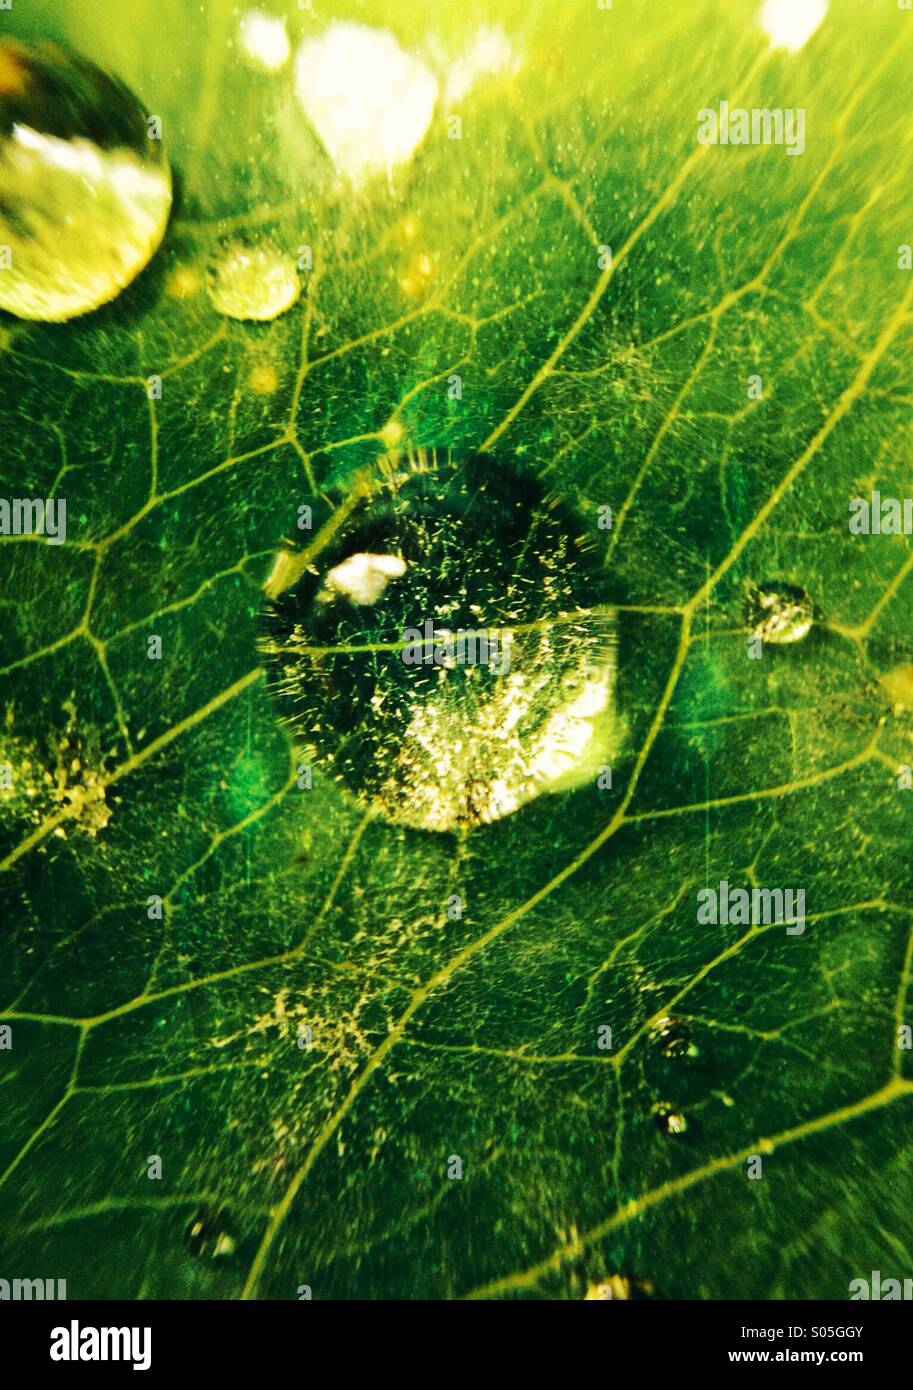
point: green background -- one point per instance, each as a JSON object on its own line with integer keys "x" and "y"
{"x": 625, "y": 387}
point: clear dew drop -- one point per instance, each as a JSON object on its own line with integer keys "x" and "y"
{"x": 253, "y": 279}
{"x": 376, "y": 655}
{"x": 780, "y": 613}
{"x": 85, "y": 193}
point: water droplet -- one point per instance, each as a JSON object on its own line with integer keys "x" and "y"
{"x": 780, "y": 613}
{"x": 86, "y": 192}
{"x": 207, "y": 1236}
{"x": 453, "y": 654}
{"x": 669, "y": 1120}
{"x": 672, "y": 1038}
{"x": 253, "y": 279}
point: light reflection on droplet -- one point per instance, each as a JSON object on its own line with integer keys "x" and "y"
{"x": 253, "y": 279}
{"x": 86, "y": 194}
{"x": 791, "y": 23}
{"x": 264, "y": 41}
{"x": 369, "y": 101}
{"x": 780, "y": 614}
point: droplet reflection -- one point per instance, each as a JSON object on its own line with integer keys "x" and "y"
{"x": 86, "y": 193}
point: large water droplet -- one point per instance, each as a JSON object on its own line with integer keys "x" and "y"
{"x": 253, "y": 279}
{"x": 452, "y": 654}
{"x": 85, "y": 192}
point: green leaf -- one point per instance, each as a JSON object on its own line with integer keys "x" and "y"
{"x": 623, "y": 385}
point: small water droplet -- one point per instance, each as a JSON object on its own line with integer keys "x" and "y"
{"x": 780, "y": 613}
{"x": 207, "y": 1236}
{"x": 85, "y": 192}
{"x": 669, "y": 1120}
{"x": 453, "y": 653}
{"x": 253, "y": 279}
{"x": 672, "y": 1037}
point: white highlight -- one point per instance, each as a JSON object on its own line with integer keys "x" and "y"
{"x": 370, "y": 102}
{"x": 791, "y": 23}
{"x": 488, "y": 54}
{"x": 362, "y": 578}
{"x": 91, "y": 165}
{"x": 264, "y": 41}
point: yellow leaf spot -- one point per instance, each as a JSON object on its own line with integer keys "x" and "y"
{"x": 414, "y": 280}
{"x": 392, "y": 433}
{"x": 182, "y": 283}
{"x": 263, "y": 379}
{"x": 898, "y": 684}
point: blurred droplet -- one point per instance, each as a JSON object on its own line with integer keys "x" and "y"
{"x": 780, "y": 613}
{"x": 488, "y": 54}
{"x": 264, "y": 41}
{"x": 253, "y": 279}
{"x": 369, "y": 101}
{"x": 791, "y": 23}
{"x": 85, "y": 192}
